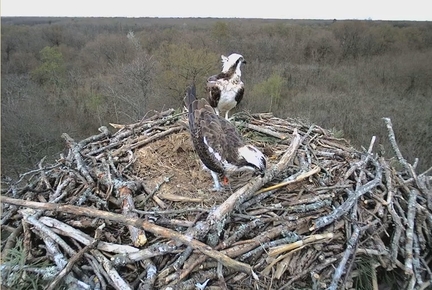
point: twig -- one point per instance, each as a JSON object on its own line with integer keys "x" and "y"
{"x": 154, "y": 250}
{"x": 177, "y": 265}
{"x": 98, "y": 270}
{"x": 307, "y": 240}
{"x": 410, "y": 232}
{"x": 57, "y": 196}
{"x": 30, "y": 216}
{"x": 157, "y": 230}
{"x": 105, "y": 133}
{"x": 151, "y": 275}
{"x": 263, "y": 238}
{"x": 75, "y": 258}
{"x": 262, "y": 130}
{"x": 352, "y": 198}
{"x": 36, "y": 171}
{"x": 85, "y": 239}
{"x": 138, "y": 144}
{"x": 347, "y": 254}
{"x": 81, "y": 166}
{"x": 299, "y": 178}
{"x": 289, "y": 238}
{"x": 118, "y": 281}
{"x": 393, "y": 142}
{"x": 249, "y": 189}
{"x": 137, "y": 235}
{"x": 61, "y": 262}
{"x": 11, "y": 241}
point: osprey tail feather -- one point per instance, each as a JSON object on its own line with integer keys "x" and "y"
{"x": 192, "y": 103}
{"x": 190, "y": 97}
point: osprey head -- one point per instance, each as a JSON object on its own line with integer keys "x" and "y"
{"x": 254, "y": 158}
{"x": 234, "y": 60}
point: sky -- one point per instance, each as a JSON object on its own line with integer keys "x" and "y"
{"x": 417, "y": 10}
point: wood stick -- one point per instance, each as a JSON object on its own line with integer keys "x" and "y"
{"x": 307, "y": 240}
{"x": 11, "y": 241}
{"x": 147, "y": 226}
{"x": 393, "y": 142}
{"x": 85, "y": 239}
{"x": 260, "y": 129}
{"x": 98, "y": 270}
{"x": 118, "y": 282}
{"x": 343, "y": 209}
{"x": 138, "y": 144}
{"x": 249, "y": 189}
{"x": 154, "y": 250}
{"x": 351, "y": 245}
{"x": 150, "y": 271}
{"x": 137, "y": 235}
{"x": 81, "y": 166}
{"x": 61, "y": 262}
{"x": 410, "y": 232}
{"x": 299, "y": 178}
{"x": 53, "y": 285}
{"x": 105, "y": 133}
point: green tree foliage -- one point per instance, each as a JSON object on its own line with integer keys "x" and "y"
{"x": 21, "y": 274}
{"x": 350, "y": 35}
{"x": 271, "y": 89}
{"x": 413, "y": 37}
{"x": 52, "y": 69}
{"x": 21, "y": 63}
{"x": 106, "y": 51}
{"x": 321, "y": 48}
{"x": 220, "y": 32}
{"x": 152, "y": 40}
{"x": 76, "y": 74}
{"x": 54, "y": 34}
{"x": 180, "y": 65}
{"x": 129, "y": 90}
{"x": 29, "y": 127}
{"x": 19, "y": 41}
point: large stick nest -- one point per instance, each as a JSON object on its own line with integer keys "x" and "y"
{"x": 134, "y": 210}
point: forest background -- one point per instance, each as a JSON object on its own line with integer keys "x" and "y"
{"x": 74, "y": 75}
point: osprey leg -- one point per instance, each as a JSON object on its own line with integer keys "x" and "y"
{"x": 226, "y": 115}
{"x": 217, "y": 186}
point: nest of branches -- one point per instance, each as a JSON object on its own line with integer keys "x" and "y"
{"x": 133, "y": 209}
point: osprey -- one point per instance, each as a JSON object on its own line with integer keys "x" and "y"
{"x": 218, "y": 144}
{"x": 226, "y": 89}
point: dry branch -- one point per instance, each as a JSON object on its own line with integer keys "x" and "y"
{"x": 136, "y": 222}
{"x": 320, "y": 208}
{"x": 248, "y": 190}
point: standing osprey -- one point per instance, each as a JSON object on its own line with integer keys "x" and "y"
{"x": 218, "y": 144}
{"x": 226, "y": 89}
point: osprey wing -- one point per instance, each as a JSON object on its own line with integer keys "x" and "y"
{"x": 221, "y": 137}
{"x": 240, "y": 93}
{"x": 214, "y": 91}
{"x": 215, "y": 139}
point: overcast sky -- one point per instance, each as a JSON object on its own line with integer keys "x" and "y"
{"x": 313, "y": 9}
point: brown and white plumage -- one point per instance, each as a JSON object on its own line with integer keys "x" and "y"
{"x": 217, "y": 142}
{"x": 226, "y": 89}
